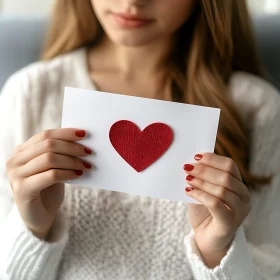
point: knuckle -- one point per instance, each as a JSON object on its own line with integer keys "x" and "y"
{"x": 12, "y": 174}
{"x": 248, "y": 194}
{"x": 248, "y": 198}
{"x": 211, "y": 156}
{"x": 46, "y": 134}
{"x": 225, "y": 180}
{"x": 222, "y": 192}
{"x": 203, "y": 185}
{"x": 230, "y": 164}
{"x": 247, "y": 210}
{"x": 17, "y": 185}
{"x": 214, "y": 203}
{"x": 49, "y": 144}
{"x": 54, "y": 175}
{"x": 8, "y": 164}
{"x": 49, "y": 158}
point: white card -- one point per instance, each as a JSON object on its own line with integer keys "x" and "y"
{"x": 194, "y": 131}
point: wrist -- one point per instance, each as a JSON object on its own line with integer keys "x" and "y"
{"x": 40, "y": 235}
{"x": 213, "y": 259}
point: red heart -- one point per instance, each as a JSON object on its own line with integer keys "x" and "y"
{"x": 140, "y": 149}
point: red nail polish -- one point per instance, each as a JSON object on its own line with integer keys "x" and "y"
{"x": 88, "y": 151}
{"x": 198, "y": 157}
{"x": 189, "y": 189}
{"x": 87, "y": 165}
{"x": 80, "y": 133}
{"x": 78, "y": 172}
{"x": 189, "y": 178}
{"x": 188, "y": 167}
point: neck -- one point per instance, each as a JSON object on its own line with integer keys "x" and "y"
{"x": 130, "y": 61}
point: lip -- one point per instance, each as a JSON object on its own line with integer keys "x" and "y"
{"x": 131, "y": 21}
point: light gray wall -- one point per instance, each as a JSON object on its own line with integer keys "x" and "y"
{"x": 267, "y": 6}
{"x": 26, "y": 6}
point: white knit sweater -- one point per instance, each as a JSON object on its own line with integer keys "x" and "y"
{"x": 108, "y": 235}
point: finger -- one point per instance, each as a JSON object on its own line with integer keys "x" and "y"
{"x": 218, "y": 177}
{"x": 226, "y": 196}
{"x": 50, "y": 161}
{"x": 51, "y": 146}
{"x": 66, "y": 134}
{"x": 36, "y": 183}
{"x": 219, "y": 162}
{"x": 215, "y": 206}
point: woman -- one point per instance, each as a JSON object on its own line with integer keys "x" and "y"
{"x": 198, "y": 52}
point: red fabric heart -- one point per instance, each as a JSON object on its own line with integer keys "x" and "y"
{"x": 140, "y": 149}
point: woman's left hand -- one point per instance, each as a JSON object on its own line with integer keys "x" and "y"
{"x": 225, "y": 203}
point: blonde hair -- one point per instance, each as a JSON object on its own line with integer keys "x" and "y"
{"x": 214, "y": 42}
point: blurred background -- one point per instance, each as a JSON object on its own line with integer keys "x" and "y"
{"x": 43, "y": 7}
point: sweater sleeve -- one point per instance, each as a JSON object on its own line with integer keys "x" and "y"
{"x": 22, "y": 255}
{"x": 255, "y": 250}
{"x": 236, "y": 264}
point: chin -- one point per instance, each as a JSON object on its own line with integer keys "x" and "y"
{"x": 132, "y": 40}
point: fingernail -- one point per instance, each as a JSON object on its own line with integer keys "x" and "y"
{"x": 87, "y": 165}
{"x": 188, "y": 189}
{"x": 78, "y": 172}
{"x": 188, "y": 167}
{"x": 80, "y": 133}
{"x": 88, "y": 151}
{"x": 189, "y": 177}
{"x": 198, "y": 157}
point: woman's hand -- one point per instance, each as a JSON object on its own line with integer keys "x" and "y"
{"x": 217, "y": 184}
{"x": 36, "y": 172}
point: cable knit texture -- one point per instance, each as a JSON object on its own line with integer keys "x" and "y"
{"x": 101, "y": 234}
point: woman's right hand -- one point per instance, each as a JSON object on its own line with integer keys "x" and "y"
{"x": 36, "y": 172}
